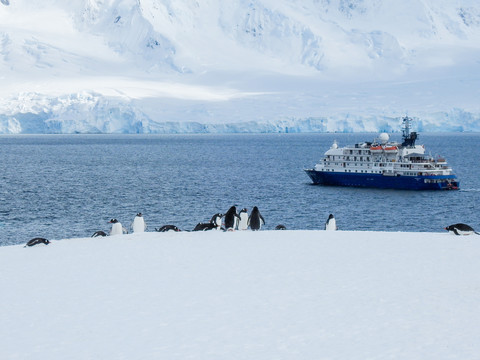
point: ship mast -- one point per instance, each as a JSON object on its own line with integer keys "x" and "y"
{"x": 408, "y": 137}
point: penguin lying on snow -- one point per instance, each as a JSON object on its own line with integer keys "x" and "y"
{"x": 331, "y": 223}
{"x": 37, "y": 241}
{"x": 166, "y": 228}
{"x": 280, "y": 227}
{"x": 255, "y": 220}
{"x": 461, "y": 229}
{"x": 205, "y": 226}
{"x": 99, "y": 233}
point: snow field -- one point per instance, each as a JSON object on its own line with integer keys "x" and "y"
{"x": 243, "y": 295}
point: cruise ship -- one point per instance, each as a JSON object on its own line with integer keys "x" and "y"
{"x": 384, "y": 164}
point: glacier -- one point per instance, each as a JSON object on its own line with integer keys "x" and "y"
{"x": 185, "y": 66}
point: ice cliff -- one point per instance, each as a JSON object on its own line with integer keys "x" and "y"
{"x": 164, "y": 66}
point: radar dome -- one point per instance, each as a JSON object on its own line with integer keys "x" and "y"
{"x": 383, "y": 138}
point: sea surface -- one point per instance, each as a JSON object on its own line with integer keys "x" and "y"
{"x": 64, "y": 186}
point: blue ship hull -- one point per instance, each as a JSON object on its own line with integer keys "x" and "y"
{"x": 433, "y": 182}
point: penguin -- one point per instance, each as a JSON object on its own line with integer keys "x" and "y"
{"x": 217, "y": 220}
{"x": 331, "y": 223}
{"x": 166, "y": 228}
{"x": 243, "y": 223}
{"x": 231, "y": 219}
{"x": 138, "y": 224}
{"x": 461, "y": 229}
{"x": 280, "y": 227}
{"x": 99, "y": 233}
{"x": 37, "y": 241}
{"x": 205, "y": 226}
{"x": 255, "y": 220}
{"x": 117, "y": 228}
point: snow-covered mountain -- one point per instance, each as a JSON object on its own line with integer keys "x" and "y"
{"x": 238, "y": 65}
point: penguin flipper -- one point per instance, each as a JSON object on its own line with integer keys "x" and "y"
{"x": 456, "y": 231}
{"x": 261, "y": 217}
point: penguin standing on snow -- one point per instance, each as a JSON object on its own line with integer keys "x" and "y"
{"x": 243, "y": 222}
{"x": 256, "y": 220}
{"x": 117, "y": 228}
{"x": 217, "y": 221}
{"x": 138, "y": 224}
{"x": 461, "y": 229}
{"x": 231, "y": 219}
{"x": 331, "y": 223}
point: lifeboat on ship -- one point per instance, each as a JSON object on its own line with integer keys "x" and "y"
{"x": 376, "y": 149}
{"x": 391, "y": 149}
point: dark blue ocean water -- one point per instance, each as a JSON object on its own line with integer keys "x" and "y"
{"x": 62, "y": 186}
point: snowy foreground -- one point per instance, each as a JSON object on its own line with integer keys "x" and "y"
{"x": 243, "y": 295}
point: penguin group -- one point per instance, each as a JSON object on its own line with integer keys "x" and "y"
{"x": 233, "y": 221}
{"x": 229, "y": 221}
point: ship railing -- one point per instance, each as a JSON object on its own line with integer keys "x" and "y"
{"x": 423, "y": 161}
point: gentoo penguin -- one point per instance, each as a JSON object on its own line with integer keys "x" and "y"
{"x": 331, "y": 223}
{"x": 205, "y": 226}
{"x": 138, "y": 224}
{"x": 243, "y": 222}
{"x": 117, "y": 228}
{"x": 256, "y": 220}
{"x": 280, "y": 227}
{"x": 99, "y": 233}
{"x": 217, "y": 220}
{"x": 231, "y": 219}
{"x": 461, "y": 229}
{"x": 166, "y": 228}
{"x": 37, "y": 241}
